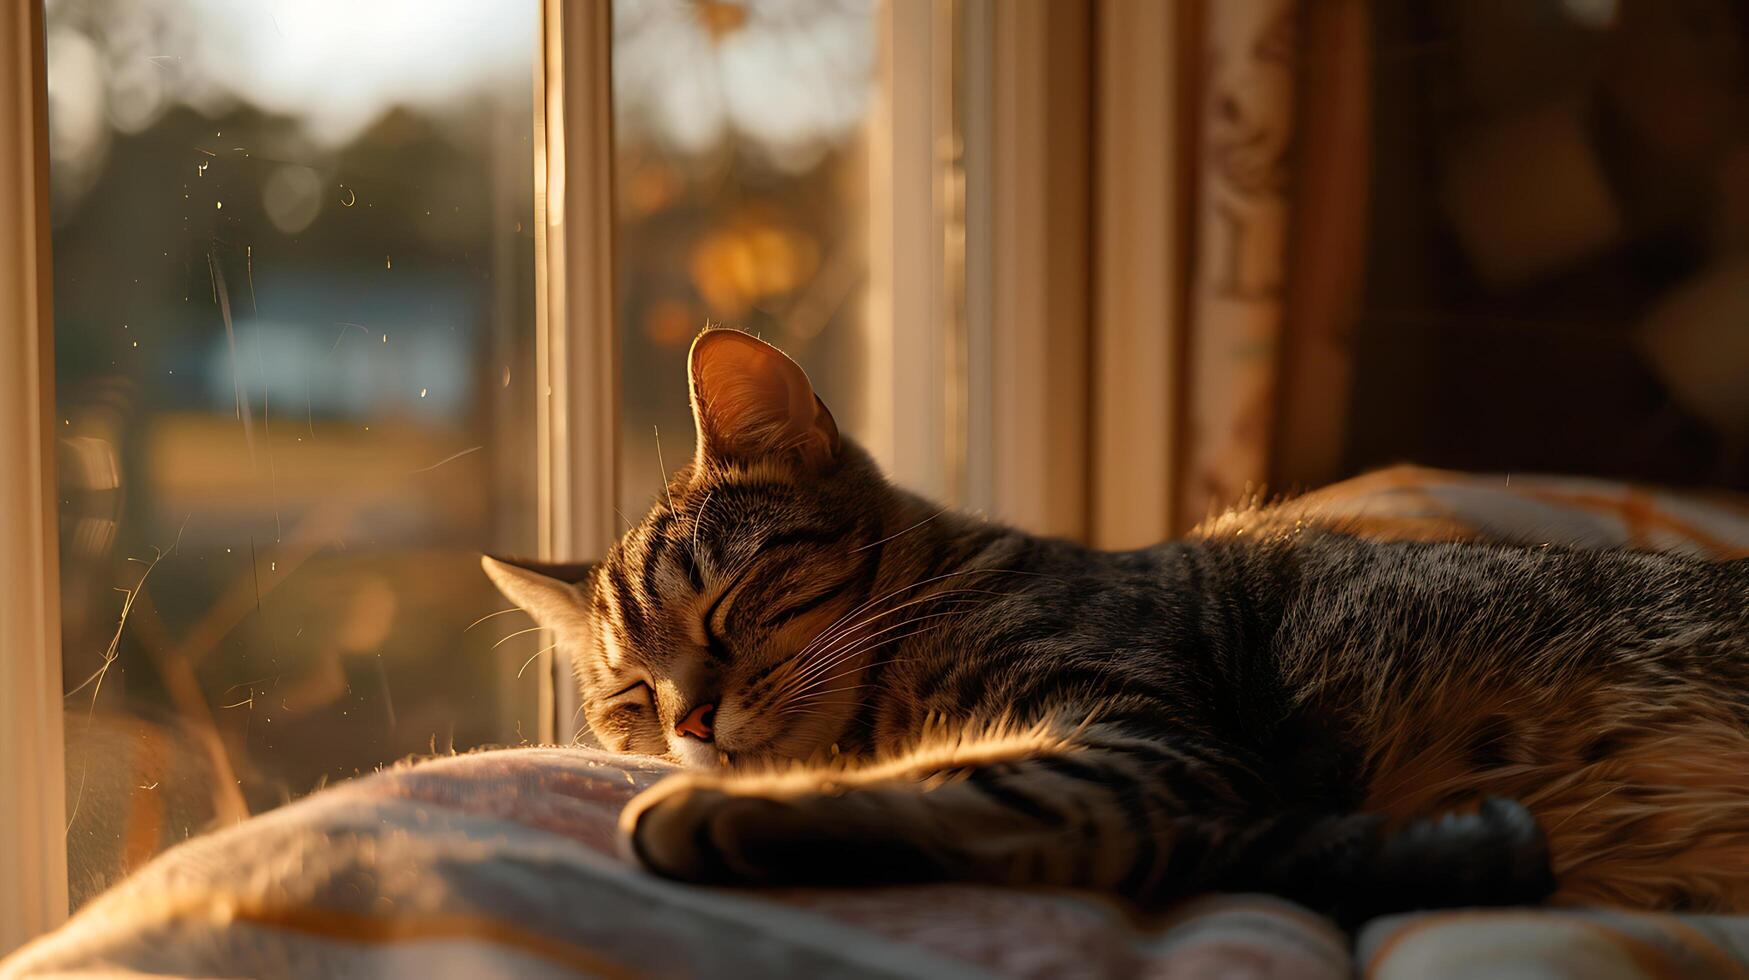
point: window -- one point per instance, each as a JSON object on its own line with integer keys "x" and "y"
{"x": 741, "y": 195}
{"x": 328, "y": 323}
{"x": 294, "y": 330}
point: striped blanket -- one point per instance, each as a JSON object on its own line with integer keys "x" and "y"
{"x": 504, "y": 863}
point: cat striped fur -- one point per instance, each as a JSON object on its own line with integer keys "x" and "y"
{"x": 871, "y": 688}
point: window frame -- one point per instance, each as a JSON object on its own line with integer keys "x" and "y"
{"x": 576, "y": 337}
{"x": 1032, "y": 268}
{"x": 913, "y": 413}
{"x": 33, "y": 852}
{"x": 576, "y": 416}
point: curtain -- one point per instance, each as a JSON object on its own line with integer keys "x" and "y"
{"x": 1280, "y": 215}
{"x": 1175, "y": 255}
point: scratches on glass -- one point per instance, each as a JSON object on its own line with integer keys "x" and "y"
{"x": 447, "y": 459}
{"x": 316, "y": 620}
{"x": 244, "y": 411}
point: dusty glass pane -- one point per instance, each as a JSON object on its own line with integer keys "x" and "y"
{"x": 741, "y": 189}
{"x": 294, "y": 338}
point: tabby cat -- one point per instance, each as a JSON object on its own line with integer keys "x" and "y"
{"x": 872, "y": 689}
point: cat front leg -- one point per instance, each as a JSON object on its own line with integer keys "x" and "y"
{"x": 713, "y": 831}
{"x": 1034, "y": 809}
{"x": 1153, "y": 821}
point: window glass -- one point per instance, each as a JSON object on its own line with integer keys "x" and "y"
{"x": 741, "y": 190}
{"x": 293, "y": 298}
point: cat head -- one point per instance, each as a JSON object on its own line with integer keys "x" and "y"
{"x": 707, "y": 632}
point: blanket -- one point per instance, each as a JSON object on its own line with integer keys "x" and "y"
{"x": 504, "y": 863}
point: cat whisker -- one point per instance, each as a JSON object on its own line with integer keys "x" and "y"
{"x": 819, "y": 685}
{"x": 931, "y": 597}
{"x": 827, "y": 671}
{"x": 490, "y": 615}
{"x": 906, "y": 531}
{"x": 836, "y": 690}
{"x": 919, "y": 584}
{"x": 512, "y": 636}
{"x": 811, "y": 713}
{"x": 813, "y": 661}
{"x": 816, "y": 652}
{"x": 666, "y": 489}
{"x": 531, "y": 659}
{"x": 866, "y": 604}
{"x": 835, "y": 667}
{"x": 852, "y": 648}
{"x": 824, "y": 695}
{"x": 822, "y": 710}
{"x": 822, "y": 642}
{"x": 698, "y": 521}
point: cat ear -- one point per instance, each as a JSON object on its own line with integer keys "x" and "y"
{"x": 751, "y": 402}
{"x": 551, "y": 592}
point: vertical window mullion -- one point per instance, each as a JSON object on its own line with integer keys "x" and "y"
{"x": 33, "y": 856}
{"x": 575, "y": 353}
{"x": 910, "y": 388}
{"x": 1037, "y": 265}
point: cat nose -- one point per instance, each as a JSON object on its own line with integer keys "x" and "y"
{"x": 697, "y": 722}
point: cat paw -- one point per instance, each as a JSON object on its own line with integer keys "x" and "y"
{"x": 693, "y": 829}
{"x": 704, "y": 830}
{"x": 1497, "y": 855}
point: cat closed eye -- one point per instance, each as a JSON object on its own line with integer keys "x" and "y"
{"x": 637, "y": 691}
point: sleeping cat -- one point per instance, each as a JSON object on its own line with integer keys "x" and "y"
{"x": 872, "y": 689}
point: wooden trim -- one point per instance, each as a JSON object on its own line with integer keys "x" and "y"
{"x": 1038, "y": 240}
{"x": 911, "y": 388}
{"x": 1141, "y": 266}
{"x": 974, "y": 101}
{"x": 575, "y": 350}
{"x": 1327, "y": 244}
{"x": 33, "y": 851}
{"x": 1192, "y": 27}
